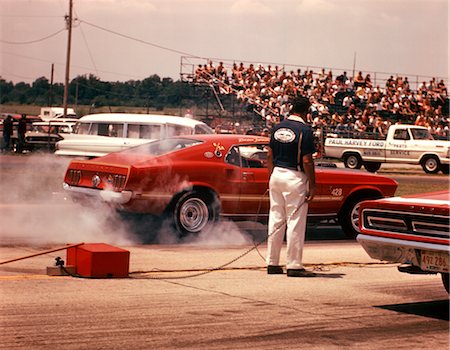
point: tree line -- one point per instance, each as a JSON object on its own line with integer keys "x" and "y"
{"x": 152, "y": 92}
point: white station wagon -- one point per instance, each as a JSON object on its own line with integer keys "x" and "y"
{"x": 98, "y": 134}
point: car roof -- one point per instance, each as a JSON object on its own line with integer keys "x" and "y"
{"x": 139, "y": 118}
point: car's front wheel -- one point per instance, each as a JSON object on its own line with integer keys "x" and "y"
{"x": 349, "y": 214}
{"x": 430, "y": 164}
{"x": 194, "y": 212}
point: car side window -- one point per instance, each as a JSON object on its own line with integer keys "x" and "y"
{"x": 248, "y": 156}
{"x": 82, "y": 128}
{"x": 232, "y": 157}
{"x": 107, "y": 129}
{"x": 177, "y": 130}
{"x": 144, "y": 131}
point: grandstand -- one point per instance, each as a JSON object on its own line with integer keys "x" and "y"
{"x": 257, "y": 94}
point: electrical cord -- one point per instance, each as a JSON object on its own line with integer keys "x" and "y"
{"x": 315, "y": 266}
{"x": 225, "y": 266}
{"x": 222, "y": 267}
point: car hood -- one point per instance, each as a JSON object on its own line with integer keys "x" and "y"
{"x": 443, "y": 196}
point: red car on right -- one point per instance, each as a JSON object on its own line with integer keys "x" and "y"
{"x": 412, "y": 230}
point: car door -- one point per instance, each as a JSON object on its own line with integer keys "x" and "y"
{"x": 103, "y": 137}
{"x": 397, "y": 149}
{"x": 254, "y": 180}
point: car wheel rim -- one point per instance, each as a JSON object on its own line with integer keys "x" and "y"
{"x": 194, "y": 215}
{"x": 352, "y": 162}
{"x": 431, "y": 164}
{"x": 354, "y": 217}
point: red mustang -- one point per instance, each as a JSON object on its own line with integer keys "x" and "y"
{"x": 412, "y": 230}
{"x": 192, "y": 180}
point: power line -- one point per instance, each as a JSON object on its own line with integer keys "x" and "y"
{"x": 30, "y": 16}
{"x": 140, "y": 40}
{"x": 32, "y": 41}
{"x": 61, "y": 64}
{"x": 87, "y": 46}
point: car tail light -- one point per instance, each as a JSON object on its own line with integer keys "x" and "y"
{"x": 73, "y": 177}
{"x": 119, "y": 182}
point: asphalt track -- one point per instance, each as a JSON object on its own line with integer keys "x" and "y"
{"x": 176, "y": 298}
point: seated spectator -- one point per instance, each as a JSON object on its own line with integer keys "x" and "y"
{"x": 441, "y": 88}
{"x": 266, "y": 92}
{"x": 359, "y": 81}
{"x": 368, "y": 81}
{"x": 359, "y": 125}
{"x": 342, "y": 78}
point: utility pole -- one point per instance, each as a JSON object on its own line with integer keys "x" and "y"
{"x": 50, "y": 93}
{"x": 69, "y": 45}
{"x": 354, "y": 65}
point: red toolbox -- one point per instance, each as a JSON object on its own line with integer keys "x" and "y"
{"x": 99, "y": 260}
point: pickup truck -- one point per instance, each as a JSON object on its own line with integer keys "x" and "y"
{"x": 406, "y": 144}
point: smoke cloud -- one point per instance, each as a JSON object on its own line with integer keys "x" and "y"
{"x": 35, "y": 210}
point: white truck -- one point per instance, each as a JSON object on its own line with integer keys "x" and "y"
{"x": 49, "y": 113}
{"x": 408, "y": 144}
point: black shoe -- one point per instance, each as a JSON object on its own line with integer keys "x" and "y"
{"x": 274, "y": 270}
{"x": 300, "y": 273}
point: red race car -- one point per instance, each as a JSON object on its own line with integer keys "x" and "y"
{"x": 412, "y": 230}
{"x": 193, "y": 180}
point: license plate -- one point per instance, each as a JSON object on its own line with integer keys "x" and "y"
{"x": 434, "y": 261}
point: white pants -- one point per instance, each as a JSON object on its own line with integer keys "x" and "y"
{"x": 288, "y": 212}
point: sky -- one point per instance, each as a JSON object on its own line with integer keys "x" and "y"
{"x": 121, "y": 40}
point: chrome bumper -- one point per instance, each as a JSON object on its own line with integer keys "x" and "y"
{"x": 122, "y": 197}
{"x": 396, "y": 250}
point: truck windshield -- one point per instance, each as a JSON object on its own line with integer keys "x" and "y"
{"x": 421, "y": 134}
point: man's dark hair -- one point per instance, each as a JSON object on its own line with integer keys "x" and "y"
{"x": 300, "y": 105}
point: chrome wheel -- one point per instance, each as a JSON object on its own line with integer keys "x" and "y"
{"x": 431, "y": 165}
{"x": 353, "y": 161}
{"x": 193, "y": 215}
{"x": 354, "y": 218}
{"x": 349, "y": 214}
{"x": 193, "y": 212}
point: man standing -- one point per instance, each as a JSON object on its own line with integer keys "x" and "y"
{"x": 7, "y": 132}
{"x": 292, "y": 185}
{"x": 21, "y": 130}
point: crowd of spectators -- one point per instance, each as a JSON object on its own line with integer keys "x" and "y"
{"x": 339, "y": 102}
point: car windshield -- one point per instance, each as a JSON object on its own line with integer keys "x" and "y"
{"x": 203, "y": 129}
{"x": 421, "y": 134}
{"x": 165, "y": 146}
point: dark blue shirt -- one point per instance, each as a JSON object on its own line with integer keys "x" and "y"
{"x": 284, "y": 143}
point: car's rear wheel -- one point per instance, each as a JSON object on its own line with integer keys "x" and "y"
{"x": 445, "y": 280}
{"x": 194, "y": 212}
{"x": 349, "y": 214}
{"x": 372, "y": 166}
{"x": 430, "y": 164}
{"x": 353, "y": 161}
